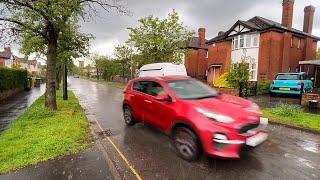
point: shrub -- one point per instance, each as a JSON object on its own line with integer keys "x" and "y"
{"x": 222, "y": 81}
{"x": 12, "y": 78}
{"x": 263, "y": 87}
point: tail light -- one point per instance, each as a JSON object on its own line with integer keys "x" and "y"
{"x": 299, "y": 82}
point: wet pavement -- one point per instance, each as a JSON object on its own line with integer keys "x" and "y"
{"x": 88, "y": 164}
{"x": 287, "y": 154}
{"x": 11, "y": 108}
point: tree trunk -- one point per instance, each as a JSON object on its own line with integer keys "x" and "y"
{"x": 65, "y": 83}
{"x": 50, "y": 97}
{"x": 97, "y": 74}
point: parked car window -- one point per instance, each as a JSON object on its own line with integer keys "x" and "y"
{"x": 140, "y": 86}
{"x": 287, "y": 77}
{"x": 191, "y": 89}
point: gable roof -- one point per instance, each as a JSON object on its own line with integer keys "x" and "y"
{"x": 193, "y": 42}
{"x": 5, "y": 54}
{"x": 258, "y": 23}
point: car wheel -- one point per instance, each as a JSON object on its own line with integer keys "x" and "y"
{"x": 128, "y": 117}
{"x": 186, "y": 144}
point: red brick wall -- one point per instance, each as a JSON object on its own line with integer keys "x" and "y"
{"x": 196, "y": 63}
{"x": 1, "y": 62}
{"x": 270, "y": 54}
{"x": 220, "y": 53}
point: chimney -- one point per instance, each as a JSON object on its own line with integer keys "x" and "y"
{"x": 202, "y": 36}
{"x": 308, "y": 19}
{"x": 287, "y": 13}
{"x": 7, "y": 49}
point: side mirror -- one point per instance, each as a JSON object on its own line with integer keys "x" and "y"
{"x": 312, "y": 79}
{"x": 163, "y": 97}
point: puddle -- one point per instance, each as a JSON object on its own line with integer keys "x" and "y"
{"x": 310, "y": 146}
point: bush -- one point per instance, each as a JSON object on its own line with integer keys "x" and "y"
{"x": 12, "y": 78}
{"x": 222, "y": 81}
{"x": 263, "y": 87}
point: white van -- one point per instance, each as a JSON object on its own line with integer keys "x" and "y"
{"x": 162, "y": 69}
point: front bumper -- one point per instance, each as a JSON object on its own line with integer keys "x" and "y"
{"x": 230, "y": 147}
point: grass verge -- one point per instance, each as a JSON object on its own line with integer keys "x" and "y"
{"x": 40, "y": 134}
{"x": 293, "y": 115}
{"x": 111, "y": 83}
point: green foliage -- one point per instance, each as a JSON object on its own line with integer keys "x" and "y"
{"x": 124, "y": 54}
{"x": 318, "y": 54}
{"x": 12, "y": 78}
{"x": 222, "y": 81}
{"x": 40, "y": 134}
{"x": 293, "y": 115}
{"x": 239, "y": 74}
{"x": 160, "y": 40}
{"x": 263, "y": 87}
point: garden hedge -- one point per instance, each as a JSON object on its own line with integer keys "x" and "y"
{"x": 12, "y": 78}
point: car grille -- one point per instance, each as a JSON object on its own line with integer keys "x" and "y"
{"x": 245, "y": 128}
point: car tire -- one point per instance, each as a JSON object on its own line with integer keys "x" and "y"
{"x": 186, "y": 144}
{"x": 127, "y": 116}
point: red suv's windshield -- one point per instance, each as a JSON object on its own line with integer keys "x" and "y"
{"x": 191, "y": 89}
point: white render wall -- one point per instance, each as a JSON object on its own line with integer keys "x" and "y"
{"x": 252, "y": 53}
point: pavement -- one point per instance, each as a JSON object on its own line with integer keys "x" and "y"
{"x": 142, "y": 152}
{"x": 12, "y": 107}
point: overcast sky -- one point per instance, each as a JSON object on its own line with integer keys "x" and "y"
{"x": 110, "y": 29}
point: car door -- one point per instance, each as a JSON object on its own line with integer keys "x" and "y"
{"x": 138, "y": 97}
{"x": 160, "y": 114}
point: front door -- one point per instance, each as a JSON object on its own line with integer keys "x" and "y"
{"x": 213, "y": 74}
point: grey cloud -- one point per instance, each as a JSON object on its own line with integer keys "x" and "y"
{"x": 214, "y": 15}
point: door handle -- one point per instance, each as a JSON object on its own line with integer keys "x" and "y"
{"x": 147, "y": 101}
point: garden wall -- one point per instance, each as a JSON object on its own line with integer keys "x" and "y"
{"x": 230, "y": 91}
{"x": 310, "y": 96}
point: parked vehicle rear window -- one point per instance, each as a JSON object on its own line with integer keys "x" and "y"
{"x": 287, "y": 77}
{"x": 191, "y": 89}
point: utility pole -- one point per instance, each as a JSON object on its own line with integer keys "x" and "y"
{"x": 65, "y": 83}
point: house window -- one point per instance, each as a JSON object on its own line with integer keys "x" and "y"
{"x": 241, "y": 41}
{"x": 207, "y": 54}
{"x": 299, "y": 44}
{"x": 291, "y": 43}
{"x": 236, "y": 42}
{"x": 248, "y": 40}
{"x": 255, "y": 41}
{"x": 252, "y": 71}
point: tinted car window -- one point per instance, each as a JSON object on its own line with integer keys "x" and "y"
{"x": 148, "y": 87}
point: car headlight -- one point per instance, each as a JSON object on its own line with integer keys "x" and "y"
{"x": 215, "y": 116}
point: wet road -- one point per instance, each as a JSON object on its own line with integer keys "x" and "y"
{"x": 15, "y": 105}
{"x": 287, "y": 154}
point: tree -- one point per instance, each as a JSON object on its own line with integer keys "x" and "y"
{"x": 47, "y": 20}
{"x": 160, "y": 40}
{"x": 239, "y": 73}
{"x": 124, "y": 54}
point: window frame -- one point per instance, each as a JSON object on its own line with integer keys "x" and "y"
{"x": 148, "y": 81}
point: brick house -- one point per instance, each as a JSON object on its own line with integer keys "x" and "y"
{"x": 6, "y": 58}
{"x": 269, "y": 47}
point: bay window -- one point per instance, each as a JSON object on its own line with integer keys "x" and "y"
{"x": 245, "y": 41}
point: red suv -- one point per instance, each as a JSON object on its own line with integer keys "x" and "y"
{"x": 196, "y": 117}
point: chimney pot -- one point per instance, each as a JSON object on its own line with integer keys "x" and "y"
{"x": 202, "y": 36}
{"x": 287, "y": 13}
{"x": 308, "y": 19}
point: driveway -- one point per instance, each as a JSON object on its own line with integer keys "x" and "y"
{"x": 288, "y": 153}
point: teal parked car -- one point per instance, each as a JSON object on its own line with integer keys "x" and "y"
{"x": 290, "y": 83}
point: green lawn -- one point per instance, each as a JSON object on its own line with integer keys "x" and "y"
{"x": 293, "y": 115}
{"x": 114, "y": 84}
{"x": 40, "y": 134}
